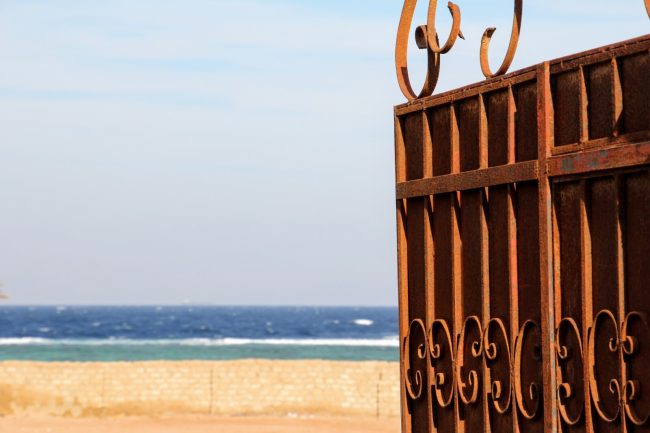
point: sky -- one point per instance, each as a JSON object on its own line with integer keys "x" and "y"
{"x": 225, "y": 152}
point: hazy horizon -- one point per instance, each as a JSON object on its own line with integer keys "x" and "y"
{"x": 189, "y": 304}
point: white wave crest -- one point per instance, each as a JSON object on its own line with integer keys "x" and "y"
{"x": 363, "y": 322}
{"x": 23, "y": 341}
{"x": 313, "y": 342}
{"x": 384, "y": 342}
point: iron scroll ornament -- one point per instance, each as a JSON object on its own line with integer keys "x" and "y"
{"x": 627, "y": 346}
{"x": 512, "y": 45}
{"x": 565, "y": 355}
{"x": 426, "y": 38}
{"x": 414, "y": 377}
{"x": 490, "y": 344}
{"x": 476, "y": 350}
{"x": 442, "y": 350}
{"x": 527, "y": 328}
{"x": 501, "y": 391}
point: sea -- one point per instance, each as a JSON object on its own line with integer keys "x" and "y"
{"x": 76, "y": 333}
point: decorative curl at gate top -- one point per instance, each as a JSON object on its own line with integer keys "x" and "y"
{"x": 426, "y": 38}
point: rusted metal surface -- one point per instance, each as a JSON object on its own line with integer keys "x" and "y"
{"x": 512, "y": 46}
{"x": 523, "y": 224}
{"x": 427, "y": 39}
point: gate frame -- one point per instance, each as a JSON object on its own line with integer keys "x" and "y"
{"x": 414, "y": 153}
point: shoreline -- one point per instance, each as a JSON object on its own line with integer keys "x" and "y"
{"x": 201, "y": 425}
{"x": 242, "y": 388}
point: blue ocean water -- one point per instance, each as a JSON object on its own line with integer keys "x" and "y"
{"x": 197, "y": 332}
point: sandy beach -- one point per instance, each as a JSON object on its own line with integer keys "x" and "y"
{"x": 196, "y": 396}
{"x": 203, "y": 425}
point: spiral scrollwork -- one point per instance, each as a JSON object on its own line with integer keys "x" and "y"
{"x": 565, "y": 354}
{"x": 613, "y": 345}
{"x": 626, "y": 346}
{"x": 427, "y": 39}
{"x": 630, "y": 347}
{"x": 413, "y": 357}
{"x": 456, "y": 368}
{"x": 512, "y": 46}
{"x": 476, "y": 350}
{"x": 441, "y": 351}
{"x": 527, "y": 328}
{"x": 501, "y": 392}
{"x": 432, "y": 35}
{"x": 401, "y": 55}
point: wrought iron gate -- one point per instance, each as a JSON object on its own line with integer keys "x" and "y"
{"x": 523, "y": 224}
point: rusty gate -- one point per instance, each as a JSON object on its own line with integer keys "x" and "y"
{"x": 523, "y": 224}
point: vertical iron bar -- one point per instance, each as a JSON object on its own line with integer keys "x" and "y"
{"x": 456, "y": 258}
{"x": 427, "y": 170}
{"x": 484, "y": 251}
{"x": 513, "y": 288}
{"x": 545, "y": 142}
{"x": 584, "y": 106}
{"x": 620, "y": 282}
{"x": 587, "y": 294}
{"x": 617, "y": 99}
{"x": 402, "y": 267}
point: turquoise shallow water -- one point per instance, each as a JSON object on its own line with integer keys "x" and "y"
{"x": 202, "y": 333}
{"x": 134, "y": 352}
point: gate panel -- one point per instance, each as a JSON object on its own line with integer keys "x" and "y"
{"x": 637, "y": 253}
{"x": 523, "y": 242}
{"x": 602, "y": 238}
{"x": 636, "y": 87}
{"x": 573, "y": 307}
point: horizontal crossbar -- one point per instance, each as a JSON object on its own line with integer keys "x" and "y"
{"x": 473, "y": 179}
{"x": 598, "y": 160}
{"x": 629, "y": 155}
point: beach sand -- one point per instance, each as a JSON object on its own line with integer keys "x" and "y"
{"x": 256, "y": 396}
{"x": 169, "y": 389}
{"x": 200, "y": 425}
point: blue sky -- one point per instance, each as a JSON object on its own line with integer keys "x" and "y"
{"x": 227, "y": 152}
